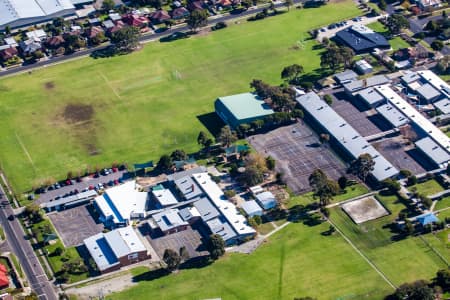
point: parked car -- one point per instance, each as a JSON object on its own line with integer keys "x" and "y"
{"x": 11, "y": 217}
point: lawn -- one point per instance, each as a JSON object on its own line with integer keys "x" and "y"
{"x": 396, "y": 42}
{"x": 427, "y": 188}
{"x": 401, "y": 261}
{"x": 295, "y": 262}
{"x": 443, "y": 203}
{"x": 134, "y": 108}
{"x": 350, "y": 192}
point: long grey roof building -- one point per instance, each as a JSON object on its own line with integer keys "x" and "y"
{"x": 345, "y": 135}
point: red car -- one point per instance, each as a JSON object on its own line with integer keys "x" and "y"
{"x": 91, "y": 187}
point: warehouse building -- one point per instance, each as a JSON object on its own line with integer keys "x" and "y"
{"x": 117, "y": 248}
{"x": 344, "y": 135}
{"x": 241, "y": 109}
{"x": 21, "y": 13}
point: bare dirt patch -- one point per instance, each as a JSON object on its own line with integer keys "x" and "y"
{"x": 364, "y": 210}
{"x": 49, "y": 85}
{"x": 74, "y": 113}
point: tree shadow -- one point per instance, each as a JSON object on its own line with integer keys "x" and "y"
{"x": 300, "y": 213}
{"x": 212, "y": 122}
{"x": 151, "y": 275}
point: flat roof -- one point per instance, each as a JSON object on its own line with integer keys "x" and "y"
{"x": 181, "y": 174}
{"x": 100, "y": 251}
{"x": 187, "y": 186}
{"x": 357, "y": 85}
{"x": 443, "y": 105}
{"x": 164, "y": 197}
{"x": 122, "y": 202}
{"x": 410, "y": 76}
{"x": 206, "y": 209}
{"x": 169, "y": 219}
{"x": 124, "y": 241}
{"x": 251, "y": 207}
{"x": 371, "y": 96}
{"x": 345, "y": 134}
{"x": 427, "y": 91}
{"x": 431, "y": 149}
{"x": 346, "y": 75}
{"x": 226, "y": 208}
{"x": 393, "y": 115}
{"x": 71, "y": 199}
{"x": 188, "y": 213}
{"x": 246, "y": 105}
{"x": 416, "y": 117}
{"x": 221, "y": 227}
{"x": 435, "y": 81}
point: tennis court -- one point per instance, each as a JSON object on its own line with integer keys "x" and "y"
{"x": 298, "y": 153}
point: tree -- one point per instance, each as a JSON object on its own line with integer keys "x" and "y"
{"x": 291, "y": 73}
{"x": 270, "y": 163}
{"x": 323, "y": 187}
{"x": 169, "y": 23}
{"x": 444, "y": 14}
{"x": 204, "y": 140}
{"x": 331, "y": 57}
{"x": 382, "y": 5}
{"x": 178, "y": 155}
{"x": 342, "y": 181}
{"x": 362, "y": 166}
{"x": 324, "y": 138}
{"x": 247, "y": 3}
{"x": 288, "y": 4}
{"x": 229, "y": 193}
{"x": 73, "y": 42}
{"x": 252, "y": 176}
{"x": 198, "y": 18}
{"x": 165, "y": 163}
{"x": 216, "y": 246}
{"x": 432, "y": 27}
{"x": 108, "y": 5}
{"x": 226, "y": 136}
{"x": 418, "y": 290}
{"x": 126, "y": 39}
{"x": 184, "y": 254}
{"x": 392, "y": 185}
{"x": 328, "y": 99}
{"x": 396, "y": 22}
{"x": 7, "y": 30}
{"x": 172, "y": 259}
{"x": 33, "y": 213}
{"x": 437, "y": 45}
{"x": 347, "y": 55}
{"x": 443, "y": 279}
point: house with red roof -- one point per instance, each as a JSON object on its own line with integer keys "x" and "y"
{"x": 180, "y": 13}
{"x": 8, "y": 53}
{"x": 159, "y": 16}
{"x": 136, "y": 20}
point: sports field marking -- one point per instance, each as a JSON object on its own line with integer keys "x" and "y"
{"x": 363, "y": 256}
{"x": 109, "y": 84}
{"x": 25, "y": 151}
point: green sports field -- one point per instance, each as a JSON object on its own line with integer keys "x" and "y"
{"x": 134, "y": 108}
{"x": 400, "y": 261}
{"x": 297, "y": 261}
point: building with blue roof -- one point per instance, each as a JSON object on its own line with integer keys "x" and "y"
{"x": 361, "y": 39}
{"x": 427, "y": 219}
{"x": 267, "y": 200}
{"x": 241, "y": 109}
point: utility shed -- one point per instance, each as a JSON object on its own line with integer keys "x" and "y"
{"x": 363, "y": 67}
{"x": 252, "y": 208}
{"x": 347, "y": 75}
{"x": 241, "y": 108}
{"x": 267, "y": 200}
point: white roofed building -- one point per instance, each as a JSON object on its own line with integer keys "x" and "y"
{"x": 21, "y": 13}
{"x": 117, "y": 248}
{"x": 120, "y": 204}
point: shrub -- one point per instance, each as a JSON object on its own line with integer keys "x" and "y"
{"x": 230, "y": 193}
{"x": 328, "y": 99}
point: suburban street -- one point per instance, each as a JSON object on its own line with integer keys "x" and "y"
{"x": 144, "y": 38}
{"x": 28, "y": 260}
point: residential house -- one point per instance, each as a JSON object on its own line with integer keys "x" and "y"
{"x": 196, "y": 5}
{"x": 55, "y": 42}
{"x": 8, "y": 53}
{"x": 30, "y": 46}
{"x": 93, "y": 31}
{"x": 136, "y": 20}
{"x": 180, "y": 13}
{"x": 159, "y": 16}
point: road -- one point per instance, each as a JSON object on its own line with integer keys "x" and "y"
{"x": 28, "y": 260}
{"x": 144, "y": 38}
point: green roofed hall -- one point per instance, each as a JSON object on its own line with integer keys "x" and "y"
{"x": 242, "y": 108}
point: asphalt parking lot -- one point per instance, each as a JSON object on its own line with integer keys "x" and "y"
{"x": 359, "y": 120}
{"x": 189, "y": 238}
{"x": 75, "y": 224}
{"x": 393, "y": 150}
{"x": 298, "y": 153}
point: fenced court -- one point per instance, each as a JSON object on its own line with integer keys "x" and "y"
{"x": 298, "y": 153}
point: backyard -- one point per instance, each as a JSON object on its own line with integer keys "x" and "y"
{"x": 89, "y": 113}
{"x": 295, "y": 262}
